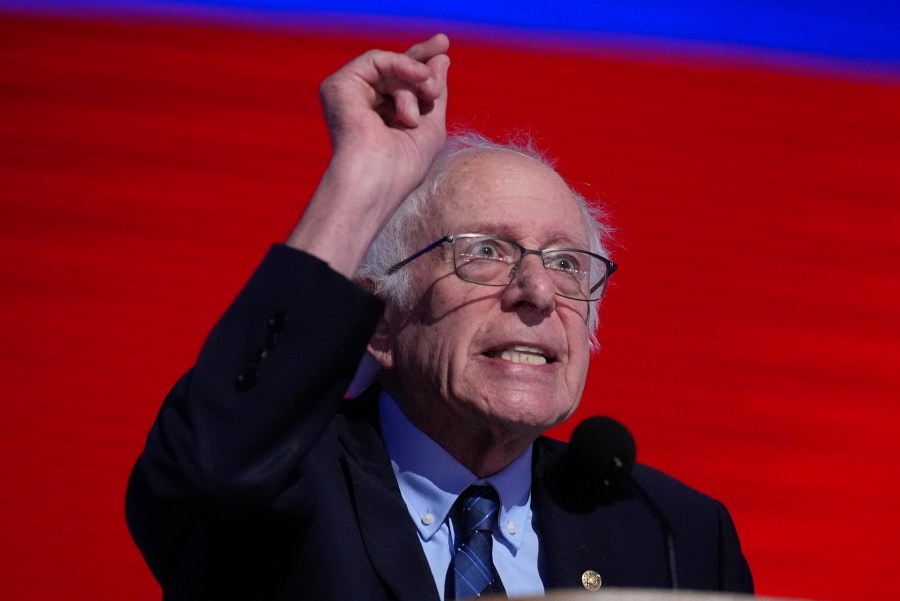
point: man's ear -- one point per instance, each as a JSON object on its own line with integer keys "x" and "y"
{"x": 379, "y": 346}
{"x": 380, "y": 343}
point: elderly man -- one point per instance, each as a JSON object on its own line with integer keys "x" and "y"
{"x": 477, "y": 277}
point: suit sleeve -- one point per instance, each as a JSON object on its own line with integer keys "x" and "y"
{"x": 707, "y": 547}
{"x": 734, "y": 571}
{"x": 233, "y": 431}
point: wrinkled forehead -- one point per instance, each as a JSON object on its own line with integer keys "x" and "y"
{"x": 505, "y": 193}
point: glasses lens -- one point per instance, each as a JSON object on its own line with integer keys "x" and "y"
{"x": 575, "y": 273}
{"x": 483, "y": 259}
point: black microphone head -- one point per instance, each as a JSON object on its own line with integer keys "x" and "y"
{"x": 594, "y": 467}
{"x": 606, "y": 444}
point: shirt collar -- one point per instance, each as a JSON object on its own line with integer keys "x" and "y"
{"x": 431, "y": 479}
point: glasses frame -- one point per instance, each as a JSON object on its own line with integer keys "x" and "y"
{"x": 611, "y": 267}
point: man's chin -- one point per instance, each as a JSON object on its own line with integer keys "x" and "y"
{"x": 528, "y": 422}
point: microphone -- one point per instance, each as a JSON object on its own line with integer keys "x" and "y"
{"x": 606, "y": 445}
{"x": 609, "y": 449}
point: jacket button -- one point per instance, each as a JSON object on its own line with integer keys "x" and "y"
{"x": 277, "y": 322}
{"x": 247, "y": 378}
{"x": 590, "y": 580}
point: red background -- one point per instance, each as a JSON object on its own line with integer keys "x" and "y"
{"x": 750, "y": 340}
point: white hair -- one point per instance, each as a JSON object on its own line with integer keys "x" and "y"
{"x": 402, "y": 234}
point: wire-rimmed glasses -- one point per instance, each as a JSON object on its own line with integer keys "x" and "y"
{"x": 494, "y": 261}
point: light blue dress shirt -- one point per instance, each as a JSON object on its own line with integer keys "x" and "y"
{"x": 431, "y": 480}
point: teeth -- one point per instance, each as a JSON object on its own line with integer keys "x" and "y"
{"x": 525, "y": 355}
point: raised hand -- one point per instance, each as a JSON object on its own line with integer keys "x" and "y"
{"x": 385, "y": 113}
{"x": 386, "y": 102}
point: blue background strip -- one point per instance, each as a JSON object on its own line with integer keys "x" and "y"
{"x": 862, "y": 30}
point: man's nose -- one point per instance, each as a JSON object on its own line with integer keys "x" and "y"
{"x": 532, "y": 285}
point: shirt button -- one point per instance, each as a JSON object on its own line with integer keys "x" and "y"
{"x": 427, "y": 519}
{"x": 512, "y": 528}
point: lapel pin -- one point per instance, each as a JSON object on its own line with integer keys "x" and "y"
{"x": 590, "y": 580}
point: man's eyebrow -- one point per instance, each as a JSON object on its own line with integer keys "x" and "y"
{"x": 555, "y": 239}
{"x": 493, "y": 229}
{"x": 563, "y": 240}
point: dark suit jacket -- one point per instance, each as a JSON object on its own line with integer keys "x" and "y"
{"x": 260, "y": 481}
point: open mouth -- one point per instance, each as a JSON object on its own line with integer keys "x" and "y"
{"x": 521, "y": 354}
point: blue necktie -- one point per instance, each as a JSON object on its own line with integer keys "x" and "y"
{"x": 472, "y": 571}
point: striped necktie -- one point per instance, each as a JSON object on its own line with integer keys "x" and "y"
{"x": 472, "y": 571}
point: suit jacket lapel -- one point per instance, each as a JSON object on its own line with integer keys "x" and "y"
{"x": 571, "y": 541}
{"x": 616, "y": 536}
{"x": 387, "y": 530}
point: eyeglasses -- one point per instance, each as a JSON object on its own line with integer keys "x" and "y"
{"x": 492, "y": 261}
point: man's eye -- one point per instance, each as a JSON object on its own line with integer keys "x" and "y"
{"x": 566, "y": 263}
{"x": 485, "y": 249}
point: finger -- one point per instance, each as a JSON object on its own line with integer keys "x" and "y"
{"x": 432, "y": 52}
{"x": 407, "y": 86}
{"x": 385, "y": 69}
{"x": 413, "y": 86}
{"x": 428, "y": 92}
{"x": 433, "y": 46}
{"x": 412, "y": 102}
{"x": 435, "y": 86}
{"x": 406, "y": 105}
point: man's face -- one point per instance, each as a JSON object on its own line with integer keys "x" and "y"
{"x": 512, "y": 358}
